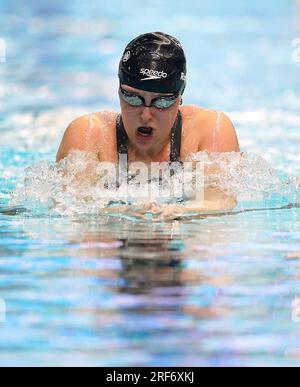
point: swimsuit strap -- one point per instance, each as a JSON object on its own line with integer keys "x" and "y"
{"x": 175, "y": 138}
{"x": 121, "y": 137}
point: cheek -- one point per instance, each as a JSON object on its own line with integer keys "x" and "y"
{"x": 125, "y": 108}
{"x": 129, "y": 117}
{"x": 167, "y": 118}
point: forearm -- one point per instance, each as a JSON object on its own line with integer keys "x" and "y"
{"x": 212, "y": 202}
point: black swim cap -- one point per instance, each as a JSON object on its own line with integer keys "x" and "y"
{"x": 154, "y": 62}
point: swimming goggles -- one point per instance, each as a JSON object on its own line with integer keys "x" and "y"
{"x": 158, "y": 102}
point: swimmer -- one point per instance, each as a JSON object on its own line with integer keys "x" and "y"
{"x": 154, "y": 125}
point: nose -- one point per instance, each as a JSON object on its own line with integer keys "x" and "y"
{"x": 146, "y": 114}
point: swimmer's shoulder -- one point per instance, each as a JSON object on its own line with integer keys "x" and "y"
{"x": 87, "y": 133}
{"x": 197, "y": 121}
{"x": 198, "y": 114}
{"x": 95, "y": 121}
{"x": 214, "y": 129}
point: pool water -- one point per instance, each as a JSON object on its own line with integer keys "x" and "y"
{"x": 81, "y": 289}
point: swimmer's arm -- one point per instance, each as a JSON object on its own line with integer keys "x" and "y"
{"x": 81, "y": 135}
{"x": 221, "y": 139}
{"x": 220, "y": 136}
{"x": 214, "y": 202}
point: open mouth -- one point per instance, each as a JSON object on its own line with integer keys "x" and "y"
{"x": 145, "y": 132}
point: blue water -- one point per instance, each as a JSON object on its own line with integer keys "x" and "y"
{"x": 217, "y": 291}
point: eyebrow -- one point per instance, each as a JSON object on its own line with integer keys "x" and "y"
{"x": 131, "y": 91}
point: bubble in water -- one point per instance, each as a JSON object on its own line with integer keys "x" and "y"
{"x": 72, "y": 186}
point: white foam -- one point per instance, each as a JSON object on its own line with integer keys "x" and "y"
{"x": 71, "y": 187}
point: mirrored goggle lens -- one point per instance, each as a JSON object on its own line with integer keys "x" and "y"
{"x": 159, "y": 103}
{"x": 133, "y": 100}
{"x": 164, "y": 102}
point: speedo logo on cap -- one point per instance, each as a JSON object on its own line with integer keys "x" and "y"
{"x": 152, "y": 74}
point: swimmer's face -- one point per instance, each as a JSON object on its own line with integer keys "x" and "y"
{"x": 148, "y": 127}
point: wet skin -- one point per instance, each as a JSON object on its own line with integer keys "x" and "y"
{"x": 203, "y": 130}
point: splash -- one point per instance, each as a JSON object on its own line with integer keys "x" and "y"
{"x": 71, "y": 187}
{"x": 248, "y": 177}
